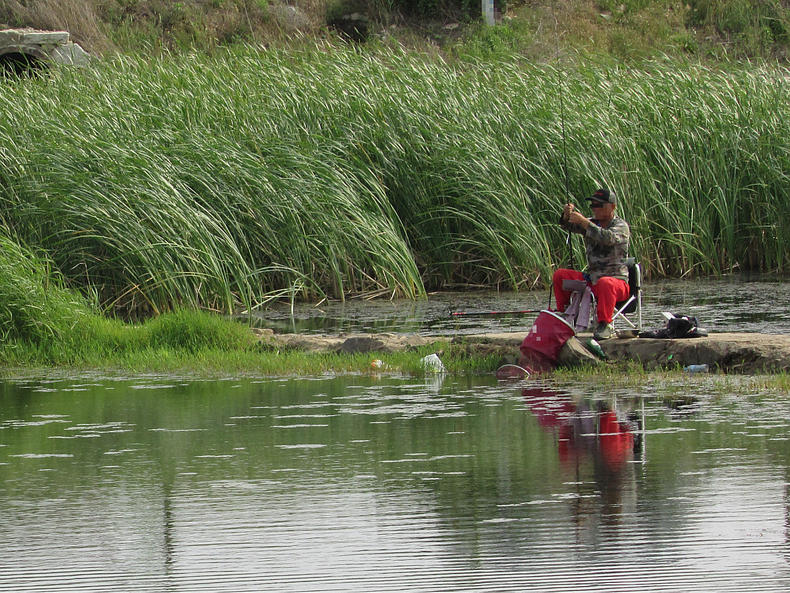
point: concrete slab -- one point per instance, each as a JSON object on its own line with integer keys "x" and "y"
{"x": 729, "y": 352}
{"x": 48, "y": 46}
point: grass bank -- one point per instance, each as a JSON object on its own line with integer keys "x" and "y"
{"x": 630, "y": 377}
{"x": 45, "y": 324}
{"x": 225, "y": 181}
{"x": 627, "y": 30}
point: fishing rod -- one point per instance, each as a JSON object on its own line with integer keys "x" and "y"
{"x": 483, "y": 313}
{"x": 571, "y": 259}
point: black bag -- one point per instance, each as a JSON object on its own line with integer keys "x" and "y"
{"x": 678, "y": 326}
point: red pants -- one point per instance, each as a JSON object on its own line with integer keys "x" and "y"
{"x": 607, "y": 291}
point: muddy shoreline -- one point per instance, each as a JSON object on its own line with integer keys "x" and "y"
{"x": 747, "y": 353}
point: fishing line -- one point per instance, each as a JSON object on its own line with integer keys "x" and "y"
{"x": 482, "y": 313}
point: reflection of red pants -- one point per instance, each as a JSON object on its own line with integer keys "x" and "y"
{"x": 607, "y": 291}
{"x": 616, "y": 442}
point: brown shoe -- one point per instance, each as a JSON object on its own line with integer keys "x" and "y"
{"x": 603, "y": 331}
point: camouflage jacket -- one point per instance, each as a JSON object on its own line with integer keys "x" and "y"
{"x": 607, "y": 248}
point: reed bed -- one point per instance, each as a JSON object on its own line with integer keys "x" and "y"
{"x": 226, "y": 181}
{"x": 34, "y": 307}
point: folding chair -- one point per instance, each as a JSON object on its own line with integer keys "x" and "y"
{"x": 633, "y": 304}
{"x": 582, "y": 303}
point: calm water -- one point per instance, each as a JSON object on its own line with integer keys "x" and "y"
{"x": 732, "y": 304}
{"x": 364, "y": 483}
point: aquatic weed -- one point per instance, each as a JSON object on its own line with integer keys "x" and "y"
{"x": 224, "y": 181}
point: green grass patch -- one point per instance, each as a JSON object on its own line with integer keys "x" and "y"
{"x": 46, "y": 324}
{"x": 624, "y": 376}
{"x": 192, "y": 331}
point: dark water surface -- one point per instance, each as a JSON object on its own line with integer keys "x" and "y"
{"x": 365, "y": 483}
{"x": 733, "y": 304}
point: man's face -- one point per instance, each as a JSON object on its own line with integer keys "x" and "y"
{"x": 602, "y": 210}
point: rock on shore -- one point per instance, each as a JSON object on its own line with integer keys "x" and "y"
{"x": 729, "y": 352}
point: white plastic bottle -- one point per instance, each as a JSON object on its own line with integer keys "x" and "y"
{"x": 697, "y": 368}
{"x": 433, "y": 363}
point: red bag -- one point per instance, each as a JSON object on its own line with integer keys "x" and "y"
{"x": 541, "y": 347}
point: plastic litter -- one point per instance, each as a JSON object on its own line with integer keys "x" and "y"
{"x": 697, "y": 368}
{"x": 376, "y": 364}
{"x": 432, "y": 363}
{"x": 594, "y": 347}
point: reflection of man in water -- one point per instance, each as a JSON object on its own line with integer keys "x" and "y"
{"x": 588, "y": 434}
{"x": 582, "y": 430}
{"x": 598, "y": 433}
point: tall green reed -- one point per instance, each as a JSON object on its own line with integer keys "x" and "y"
{"x": 225, "y": 181}
{"x": 33, "y": 305}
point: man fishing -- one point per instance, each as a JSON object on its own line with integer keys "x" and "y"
{"x": 606, "y": 239}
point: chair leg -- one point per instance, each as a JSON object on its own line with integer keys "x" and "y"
{"x": 619, "y": 312}
{"x": 639, "y": 308}
{"x": 638, "y": 311}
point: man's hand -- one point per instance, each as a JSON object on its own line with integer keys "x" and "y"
{"x": 566, "y": 212}
{"x": 576, "y": 217}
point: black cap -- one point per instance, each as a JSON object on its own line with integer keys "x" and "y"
{"x": 604, "y": 196}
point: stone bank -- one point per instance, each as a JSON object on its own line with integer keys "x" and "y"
{"x": 727, "y": 352}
